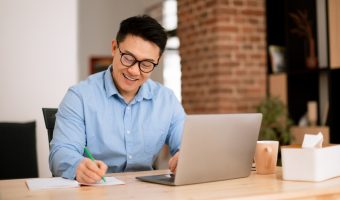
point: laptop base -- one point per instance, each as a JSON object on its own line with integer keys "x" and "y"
{"x": 164, "y": 179}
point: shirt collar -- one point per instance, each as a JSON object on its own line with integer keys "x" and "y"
{"x": 109, "y": 85}
{"x": 144, "y": 92}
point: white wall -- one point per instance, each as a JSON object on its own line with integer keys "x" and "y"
{"x": 38, "y": 61}
{"x": 44, "y": 48}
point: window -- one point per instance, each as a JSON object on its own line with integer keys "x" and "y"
{"x": 172, "y": 65}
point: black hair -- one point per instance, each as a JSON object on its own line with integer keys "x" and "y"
{"x": 145, "y": 27}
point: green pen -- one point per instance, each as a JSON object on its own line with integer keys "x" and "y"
{"x": 92, "y": 158}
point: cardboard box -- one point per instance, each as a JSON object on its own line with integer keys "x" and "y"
{"x": 310, "y": 164}
{"x": 299, "y": 132}
{"x": 278, "y": 86}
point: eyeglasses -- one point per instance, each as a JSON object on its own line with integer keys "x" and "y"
{"x": 129, "y": 60}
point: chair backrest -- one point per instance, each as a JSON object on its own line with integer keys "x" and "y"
{"x": 18, "y": 148}
{"x": 49, "y": 117}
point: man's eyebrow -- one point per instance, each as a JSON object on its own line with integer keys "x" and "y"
{"x": 147, "y": 59}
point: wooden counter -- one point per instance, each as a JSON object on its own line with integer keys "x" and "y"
{"x": 253, "y": 187}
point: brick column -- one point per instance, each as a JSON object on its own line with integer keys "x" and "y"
{"x": 223, "y": 55}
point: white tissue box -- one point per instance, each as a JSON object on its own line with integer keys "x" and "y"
{"x": 310, "y": 164}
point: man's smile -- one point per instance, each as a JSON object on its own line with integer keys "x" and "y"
{"x": 129, "y": 78}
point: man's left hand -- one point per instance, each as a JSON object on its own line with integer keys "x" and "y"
{"x": 173, "y": 163}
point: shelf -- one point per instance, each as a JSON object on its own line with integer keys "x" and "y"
{"x": 308, "y": 71}
{"x": 298, "y": 84}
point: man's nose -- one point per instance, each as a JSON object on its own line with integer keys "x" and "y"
{"x": 134, "y": 69}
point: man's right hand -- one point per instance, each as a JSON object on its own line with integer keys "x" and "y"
{"x": 89, "y": 171}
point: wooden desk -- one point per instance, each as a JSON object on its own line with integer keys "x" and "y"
{"x": 253, "y": 187}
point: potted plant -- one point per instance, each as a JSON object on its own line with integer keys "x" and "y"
{"x": 275, "y": 121}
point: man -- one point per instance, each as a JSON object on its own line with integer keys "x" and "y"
{"x": 120, "y": 115}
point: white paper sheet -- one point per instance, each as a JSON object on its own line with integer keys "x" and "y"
{"x": 58, "y": 182}
{"x": 49, "y": 183}
{"x": 109, "y": 181}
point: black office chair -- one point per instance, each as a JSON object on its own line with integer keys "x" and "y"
{"x": 49, "y": 117}
{"x": 18, "y": 150}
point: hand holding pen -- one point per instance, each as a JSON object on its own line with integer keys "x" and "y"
{"x": 90, "y": 170}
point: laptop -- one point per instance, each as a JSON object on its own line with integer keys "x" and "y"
{"x": 214, "y": 147}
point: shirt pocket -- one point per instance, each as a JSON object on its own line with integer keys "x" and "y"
{"x": 154, "y": 138}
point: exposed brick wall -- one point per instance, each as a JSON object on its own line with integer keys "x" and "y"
{"x": 223, "y": 55}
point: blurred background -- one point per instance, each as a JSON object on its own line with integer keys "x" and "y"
{"x": 222, "y": 56}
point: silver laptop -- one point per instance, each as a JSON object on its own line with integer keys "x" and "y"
{"x": 214, "y": 147}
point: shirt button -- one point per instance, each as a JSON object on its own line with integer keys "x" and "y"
{"x": 128, "y": 108}
{"x": 128, "y": 132}
{"x": 130, "y": 157}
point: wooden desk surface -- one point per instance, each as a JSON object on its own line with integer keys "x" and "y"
{"x": 253, "y": 187}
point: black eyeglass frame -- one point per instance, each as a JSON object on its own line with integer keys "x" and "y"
{"x": 136, "y": 61}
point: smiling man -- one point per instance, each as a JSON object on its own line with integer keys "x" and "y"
{"x": 120, "y": 115}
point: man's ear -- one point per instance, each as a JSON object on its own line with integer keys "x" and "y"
{"x": 114, "y": 47}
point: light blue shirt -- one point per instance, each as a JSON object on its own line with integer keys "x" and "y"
{"x": 127, "y": 137}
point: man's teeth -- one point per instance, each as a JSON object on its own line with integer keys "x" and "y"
{"x": 131, "y": 79}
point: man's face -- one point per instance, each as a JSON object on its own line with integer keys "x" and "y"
{"x": 129, "y": 79}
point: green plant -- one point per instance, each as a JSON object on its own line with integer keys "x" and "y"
{"x": 275, "y": 121}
